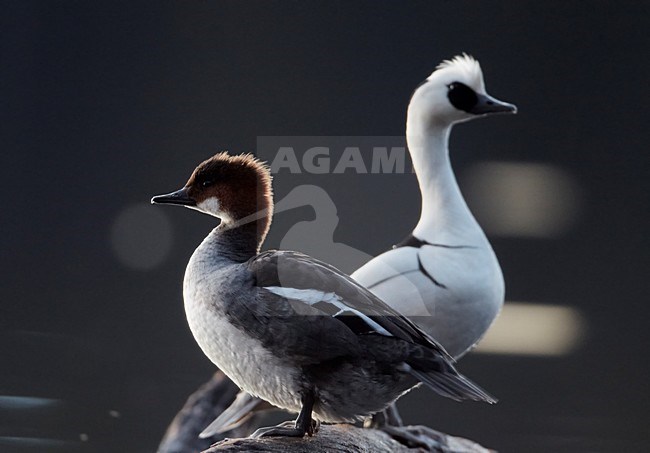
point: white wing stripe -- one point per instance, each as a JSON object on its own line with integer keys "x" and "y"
{"x": 313, "y": 296}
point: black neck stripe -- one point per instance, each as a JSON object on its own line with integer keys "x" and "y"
{"x": 412, "y": 241}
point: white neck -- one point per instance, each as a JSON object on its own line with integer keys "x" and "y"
{"x": 445, "y": 217}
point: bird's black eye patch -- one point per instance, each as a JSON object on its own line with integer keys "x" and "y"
{"x": 461, "y": 96}
{"x": 207, "y": 183}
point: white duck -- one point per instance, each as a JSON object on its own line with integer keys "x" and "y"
{"x": 445, "y": 275}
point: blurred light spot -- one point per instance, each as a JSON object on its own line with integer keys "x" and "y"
{"x": 26, "y": 402}
{"x": 83, "y": 437}
{"x": 115, "y": 414}
{"x": 141, "y": 236}
{"x": 35, "y": 444}
{"x": 534, "y": 329}
{"x": 522, "y": 199}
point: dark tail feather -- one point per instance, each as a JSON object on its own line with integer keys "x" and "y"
{"x": 453, "y": 385}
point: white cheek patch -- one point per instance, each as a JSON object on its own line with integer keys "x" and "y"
{"x": 212, "y": 207}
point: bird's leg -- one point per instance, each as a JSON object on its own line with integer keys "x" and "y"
{"x": 304, "y": 422}
{"x": 376, "y": 421}
{"x": 389, "y": 416}
{"x": 418, "y": 437}
{"x": 303, "y": 425}
{"x": 390, "y": 422}
{"x": 392, "y": 416}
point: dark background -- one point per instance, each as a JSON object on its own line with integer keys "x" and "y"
{"x": 106, "y": 104}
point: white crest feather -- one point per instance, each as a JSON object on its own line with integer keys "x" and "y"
{"x": 466, "y": 65}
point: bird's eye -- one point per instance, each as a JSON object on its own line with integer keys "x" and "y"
{"x": 207, "y": 183}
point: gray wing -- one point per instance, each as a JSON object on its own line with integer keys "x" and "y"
{"x": 322, "y": 286}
